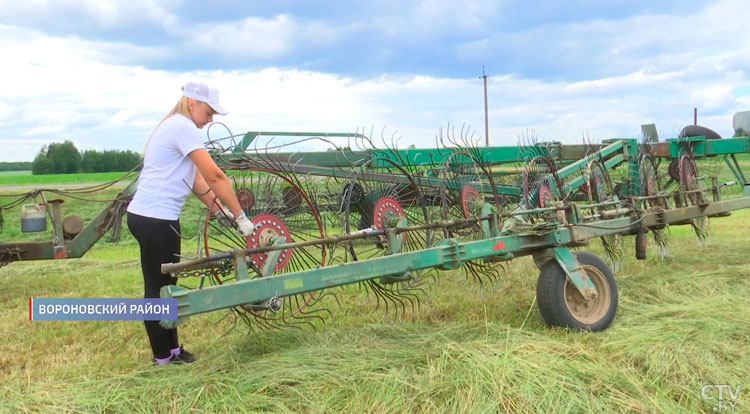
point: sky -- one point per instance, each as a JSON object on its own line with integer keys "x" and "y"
{"x": 103, "y": 73}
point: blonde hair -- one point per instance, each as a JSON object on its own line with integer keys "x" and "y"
{"x": 181, "y": 107}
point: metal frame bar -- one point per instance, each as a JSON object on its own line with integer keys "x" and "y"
{"x": 447, "y": 254}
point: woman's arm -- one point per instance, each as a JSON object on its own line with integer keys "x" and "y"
{"x": 204, "y": 193}
{"x": 210, "y": 180}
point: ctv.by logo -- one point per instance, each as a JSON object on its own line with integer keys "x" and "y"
{"x": 722, "y": 403}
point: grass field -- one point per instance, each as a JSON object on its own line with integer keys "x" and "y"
{"x": 14, "y": 173}
{"x": 681, "y": 325}
{"x": 16, "y": 178}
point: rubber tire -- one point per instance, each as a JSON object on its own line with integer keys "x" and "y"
{"x": 551, "y": 298}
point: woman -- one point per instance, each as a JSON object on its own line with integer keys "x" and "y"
{"x": 174, "y": 164}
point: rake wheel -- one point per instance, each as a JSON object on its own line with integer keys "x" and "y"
{"x": 465, "y": 188}
{"x": 693, "y": 195}
{"x": 689, "y": 180}
{"x": 246, "y": 198}
{"x": 461, "y": 178}
{"x": 598, "y": 184}
{"x": 292, "y": 197}
{"x": 540, "y": 186}
{"x": 600, "y": 190}
{"x": 470, "y": 198}
{"x": 279, "y": 208}
{"x": 650, "y": 181}
{"x": 544, "y": 195}
{"x": 378, "y": 189}
{"x": 538, "y": 173}
{"x": 674, "y": 169}
{"x": 651, "y": 185}
{"x": 377, "y": 195}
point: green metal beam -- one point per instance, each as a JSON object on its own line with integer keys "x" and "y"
{"x": 734, "y": 166}
{"x": 249, "y": 137}
{"x": 98, "y": 226}
{"x": 75, "y": 248}
{"x": 450, "y": 253}
{"x": 703, "y": 147}
{"x": 574, "y": 271}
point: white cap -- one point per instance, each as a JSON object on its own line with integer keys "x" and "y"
{"x": 201, "y": 92}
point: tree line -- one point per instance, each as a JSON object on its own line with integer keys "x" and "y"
{"x": 64, "y": 158}
{"x": 15, "y": 166}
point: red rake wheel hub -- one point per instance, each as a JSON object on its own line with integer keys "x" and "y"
{"x": 268, "y": 227}
{"x": 386, "y": 210}
{"x": 470, "y": 197}
{"x": 292, "y": 197}
{"x": 584, "y": 188}
{"x": 545, "y": 196}
{"x": 246, "y": 198}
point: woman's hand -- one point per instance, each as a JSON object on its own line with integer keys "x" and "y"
{"x": 225, "y": 217}
{"x": 245, "y": 227}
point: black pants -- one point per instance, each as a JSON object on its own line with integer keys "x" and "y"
{"x": 160, "y": 243}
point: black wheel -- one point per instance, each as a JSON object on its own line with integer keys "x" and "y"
{"x": 561, "y": 304}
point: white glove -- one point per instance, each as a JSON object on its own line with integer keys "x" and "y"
{"x": 245, "y": 227}
{"x": 224, "y": 216}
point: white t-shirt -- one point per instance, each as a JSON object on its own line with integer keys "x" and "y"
{"x": 168, "y": 174}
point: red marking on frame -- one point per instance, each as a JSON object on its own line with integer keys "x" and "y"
{"x": 60, "y": 254}
{"x": 499, "y": 245}
{"x": 31, "y": 306}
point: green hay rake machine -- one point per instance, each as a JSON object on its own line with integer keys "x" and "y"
{"x": 391, "y": 219}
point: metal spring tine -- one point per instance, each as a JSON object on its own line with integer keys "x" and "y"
{"x": 234, "y": 315}
{"x": 396, "y": 303}
{"x": 482, "y": 272}
{"x": 412, "y": 294}
{"x": 312, "y": 313}
{"x": 229, "y": 234}
{"x": 378, "y": 299}
{"x": 397, "y": 296}
{"x": 388, "y": 298}
{"x": 303, "y": 258}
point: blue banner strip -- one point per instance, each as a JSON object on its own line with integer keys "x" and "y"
{"x": 102, "y": 309}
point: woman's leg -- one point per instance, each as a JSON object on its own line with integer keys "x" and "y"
{"x": 159, "y": 241}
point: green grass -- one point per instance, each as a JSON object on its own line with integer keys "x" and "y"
{"x": 681, "y": 324}
{"x": 17, "y": 178}
{"x": 14, "y": 173}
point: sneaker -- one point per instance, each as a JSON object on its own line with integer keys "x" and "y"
{"x": 164, "y": 361}
{"x": 184, "y": 357}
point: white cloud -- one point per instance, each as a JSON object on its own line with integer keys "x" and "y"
{"x": 261, "y": 38}
{"x": 62, "y": 93}
{"x": 713, "y": 97}
{"x": 68, "y": 87}
{"x": 87, "y": 14}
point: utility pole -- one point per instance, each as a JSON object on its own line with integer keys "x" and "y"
{"x": 486, "y": 115}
